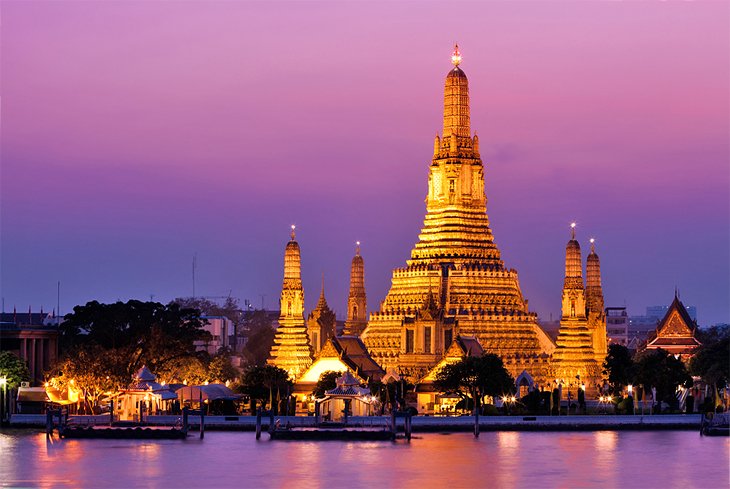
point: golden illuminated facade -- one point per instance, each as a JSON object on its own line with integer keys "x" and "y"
{"x": 321, "y": 324}
{"x": 291, "y": 350}
{"x": 356, "y": 301}
{"x": 455, "y": 282}
{"x": 595, "y": 307}
{"x": 574, "y": 360}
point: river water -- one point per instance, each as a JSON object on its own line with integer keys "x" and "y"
{"x": 665, "y": 459}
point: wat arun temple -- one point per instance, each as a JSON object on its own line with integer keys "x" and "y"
{"x": 455, "y": 285}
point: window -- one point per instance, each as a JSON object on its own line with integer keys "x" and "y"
{"x": 451, "y": 186}
{"x": 354, "y": 312}
{"x": 315, "y": 340}
{"x": 427, "y": 339}
{"x": 448, "y": 338}
{"x": 409, "y": 341}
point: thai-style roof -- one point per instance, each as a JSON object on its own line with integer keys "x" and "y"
{"x": 354, "y": 353}
{"x": 347, "y": 385}
{"x": 676, "y": 331}
{"x": 211, "y": 392}
{"x": 144, "y": 374}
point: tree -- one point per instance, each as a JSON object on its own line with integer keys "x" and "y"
{"x": 220, "y": 368}
{"x": 260, "y": 334}
{"x": 475, "y": 377}
{"x": 712, "y": 359}
{"x": 327, "y": 381}
{"x": 145, "y": 333}
{"x": 91, "y": 370}
{"x": 618, "y": 367}
{"x": 659, "y": 370}
{"x": 13, "y": 369}
{"x": 229, "y": 309}
{"x": 264, "y": 384}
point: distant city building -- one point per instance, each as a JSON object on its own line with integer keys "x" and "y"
{"x": 33, "y": 337}
{"x": 658, "y": 312}
{"x": 617, "y": 326}
{"x": 220, "y": 329}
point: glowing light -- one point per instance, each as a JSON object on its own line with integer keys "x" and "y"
{"x": 572, "y": 224}
{"x": 456, "y": 56}
{"x": 593, "y": 240}
{"x": 45, "y": 384}
{"x": 3, "y": 381}
{"x": 71, "y": 382}
{"x": 293, "y": 227}
{"x": 631, "y": 389}
{"x": 205, "y": 383}
{"x": 357, "y": 243}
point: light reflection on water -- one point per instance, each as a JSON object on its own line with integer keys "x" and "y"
{"x": 680, "y": 459}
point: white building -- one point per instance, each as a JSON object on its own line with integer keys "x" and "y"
{"x": 220, "y": 329}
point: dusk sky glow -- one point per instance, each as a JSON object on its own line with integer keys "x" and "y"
{"x": 137, "y": 134}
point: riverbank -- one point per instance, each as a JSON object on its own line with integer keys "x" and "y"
{"x": 421, "y": 424}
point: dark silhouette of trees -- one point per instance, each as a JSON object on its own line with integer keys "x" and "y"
{"x": 327, "y": 381}
{"x": 619, "y": 367}
{"x": 472, "y": 378}
{"x": 662, "y": 371}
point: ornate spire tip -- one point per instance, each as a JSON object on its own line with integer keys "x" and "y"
{"x": 293, "y": 234}
{"x": 572, "y": 230}
{"x": 456, "y": 56}
{"x": 357, "y": 248}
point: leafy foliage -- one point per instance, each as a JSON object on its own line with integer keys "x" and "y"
{"x": 260, "y": 337}
{"x": 220, "y": 369}
{"x": 662, "y": 371}
{"x": 618, "y": 367}
{"x": 327, "y": 381}
{"x": 712, "y": 359}
{"x": 265, "y": 383}
{"x": 13, "y": 369}
{"x": 145, "y": 333}
{"x": 475, "y": 377}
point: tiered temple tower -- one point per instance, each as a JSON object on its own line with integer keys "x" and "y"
{"x": 321, "y": 324}
{"x": 455, "y": 282}
{"x": 357, "y": 301}
{"x": 595, "y": 305}
{"x": 291, "y": 349}
{"x": 574, "y": 357}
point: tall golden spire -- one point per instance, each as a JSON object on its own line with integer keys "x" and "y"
{"x": 357, "y": 300}
{"x": 455, "y": 263}
{"x": 291, "y": 350}
{"x": 456, "y": 100}
{"x": 595, "y": 304}
{"x": 573, "y": 262}
{"x": 574, "y": 355}
{"x": 321, "y": 323}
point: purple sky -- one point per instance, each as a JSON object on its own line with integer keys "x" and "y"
{"x": 135, "y": 134}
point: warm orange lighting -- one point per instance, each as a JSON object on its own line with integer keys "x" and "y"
{"x": 456, "y": 56}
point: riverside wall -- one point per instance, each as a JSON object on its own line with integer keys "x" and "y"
{"x": 419, "y": 423}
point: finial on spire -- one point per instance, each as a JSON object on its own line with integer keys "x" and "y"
{"x": 456, "y": 56}
{"x": 323, "y": 284}
{"x": 357, "y": 248}
{"x": 293, "y": 234}
{"x": 572, "y": 230}
{"x": 593, "y": 245}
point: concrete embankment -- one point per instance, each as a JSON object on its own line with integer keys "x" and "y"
{"x": 420, "y": 423}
